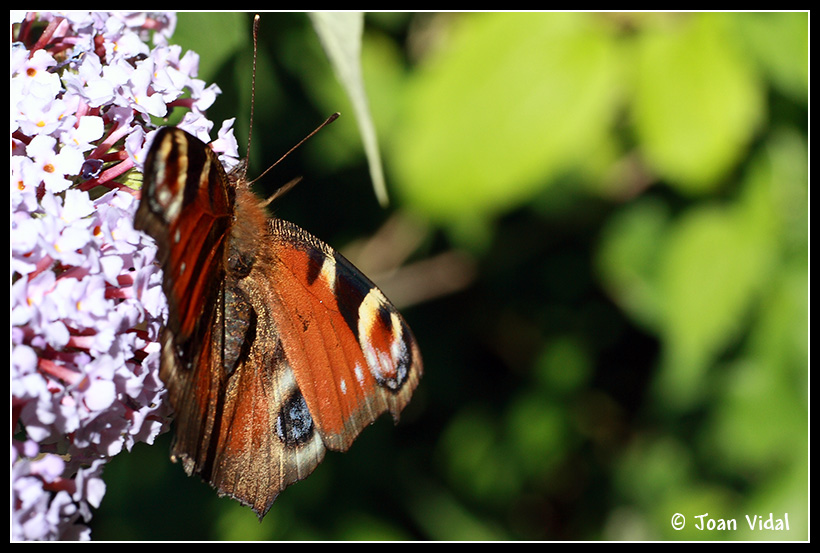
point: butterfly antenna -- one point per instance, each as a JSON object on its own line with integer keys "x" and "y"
{"x": 280, "y": 192}
{"x": 253, "y": 81}
{"x": 327, "y": 122}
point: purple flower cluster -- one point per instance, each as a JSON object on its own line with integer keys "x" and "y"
{"x": 87, "y": 302}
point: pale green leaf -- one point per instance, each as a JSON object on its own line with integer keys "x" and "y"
{"x": 697, "y": 103}
{"x": 341, "y": 36}
{"x": 709, "y": 273}
{"x": 508, "y": 104}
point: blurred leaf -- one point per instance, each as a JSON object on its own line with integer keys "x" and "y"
{"x": 757, "y": 419}
{"x": 508, "y": 103}
{"x": 385, "y": 76}
{"x": 659, "y": 474}
{"x": 759, "y": 424}
{"x": 709, "y": 272}
{"x": 697, "y": 101}
{"x": 442, "y": 517}
{"x": 716, "y": 260}
{"x": 781, "y": 42}
{"x": 473, "y": 462}
{"x": 627, "y": 259}
{"x": 341, "y": 37}
{"x": 563, "y": 367}
{"x": 652, "y": 468}
{"x": 235, "y": 523}
{"x": 538, "y": 433}
{"x": 196, "y": 31}
{"x": 363, "y": 527}
{"x": 785, "y": 491}
{"x": 783, "y": 172}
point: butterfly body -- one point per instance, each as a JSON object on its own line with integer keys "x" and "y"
{"x": 276, "y": 347}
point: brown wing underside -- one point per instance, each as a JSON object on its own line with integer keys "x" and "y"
{"x": 231, "y": 428}
{"x": 286, "y": 375}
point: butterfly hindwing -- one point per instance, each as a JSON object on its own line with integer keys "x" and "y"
{"x": 352, "y": 353}
{"x": 266, "y": 439}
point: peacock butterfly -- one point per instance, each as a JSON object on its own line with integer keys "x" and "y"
{"x": 276, "y": 347}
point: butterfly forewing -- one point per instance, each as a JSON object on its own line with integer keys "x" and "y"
{"x": 187, "y": 207}
{"x": 276, "y": 346}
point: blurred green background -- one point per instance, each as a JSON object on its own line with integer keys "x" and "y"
{"x": 598, "y": 231}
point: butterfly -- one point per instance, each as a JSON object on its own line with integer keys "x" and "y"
{"x": 276, "y": 347}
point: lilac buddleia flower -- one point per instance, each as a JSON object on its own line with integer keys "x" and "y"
{"x": 87, "y": 301}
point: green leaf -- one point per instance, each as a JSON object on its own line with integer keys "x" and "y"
{"x": 697, "y": 102}
{"x": 780, "y": 41}
{"x": 710, "y": 271}
{"x": 341, "y": 36}
{"x": 508, "y": 104}
{"x": 627, "y": 259}
{"x": 196, "y": 30}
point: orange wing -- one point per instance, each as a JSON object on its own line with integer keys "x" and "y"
{"x": 352, "y": 353}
